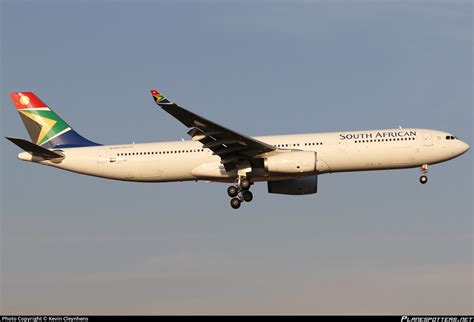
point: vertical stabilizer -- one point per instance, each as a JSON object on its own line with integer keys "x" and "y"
{"x": 45, "y": 127}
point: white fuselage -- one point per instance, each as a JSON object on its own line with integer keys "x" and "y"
{"x": 336, "y": 152}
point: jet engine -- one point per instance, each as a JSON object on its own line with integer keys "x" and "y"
{"x": 301, "y": 186}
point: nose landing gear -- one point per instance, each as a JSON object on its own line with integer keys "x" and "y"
{"x": 424, "y": 170}
{"x": 240, "y": 193}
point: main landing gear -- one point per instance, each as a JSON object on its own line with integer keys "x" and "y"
{"x": 240, "y": 193}
{"x": 424, "y": 170}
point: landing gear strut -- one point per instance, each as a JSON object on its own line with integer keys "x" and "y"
{"x": 240, "y": 192}
{"x": 424, "y": 170}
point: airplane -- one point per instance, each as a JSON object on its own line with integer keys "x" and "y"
{"x": 290, "y": 164}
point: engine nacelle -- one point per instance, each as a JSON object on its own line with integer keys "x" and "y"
{"x": 291, "y": 162}
{"x": 301, "y": 186}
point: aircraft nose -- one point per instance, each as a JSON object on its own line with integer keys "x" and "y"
{"x": 464, "y": 147}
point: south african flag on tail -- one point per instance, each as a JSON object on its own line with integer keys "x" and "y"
{"x": 45, "y": 127}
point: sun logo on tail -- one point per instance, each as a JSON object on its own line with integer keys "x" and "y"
{"x": 24, "y": 100}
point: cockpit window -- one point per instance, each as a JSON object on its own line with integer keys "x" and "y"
{"x": 450, "y": 137}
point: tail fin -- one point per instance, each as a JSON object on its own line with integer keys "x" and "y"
{"x": 45, "y": 127}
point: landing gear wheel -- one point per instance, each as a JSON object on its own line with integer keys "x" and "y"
{"x": 423, "y": 179}
{"x": 232, "y": 191}
{"x": 235, "y": 203}
{"x": 247, "y": 196}
{"x": 245, "y": 184}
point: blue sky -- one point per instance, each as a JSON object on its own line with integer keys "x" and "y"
{"x": 375, "y": 242}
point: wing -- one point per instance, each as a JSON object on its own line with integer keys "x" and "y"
{"x": 229, "y": 145}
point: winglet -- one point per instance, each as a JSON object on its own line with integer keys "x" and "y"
{"x": 160, "y": 99}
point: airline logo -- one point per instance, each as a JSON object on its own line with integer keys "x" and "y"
{"x": 377, "y": 135}
{"x": 42, "y": 124}
{"x": 159, "y": 98}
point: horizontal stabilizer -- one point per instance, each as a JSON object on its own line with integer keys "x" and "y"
{"x": 35, "y": 149}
